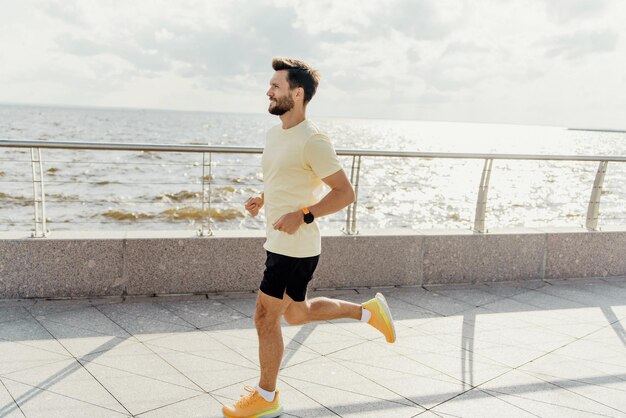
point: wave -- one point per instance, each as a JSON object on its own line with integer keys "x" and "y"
{"x": 176, "y": 214}
{"x": 18, "y": 200}
{"x": 199, "y": 214}
{"x": 126, "y": 216}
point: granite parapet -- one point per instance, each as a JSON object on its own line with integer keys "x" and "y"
{"x": 159, "y": 262}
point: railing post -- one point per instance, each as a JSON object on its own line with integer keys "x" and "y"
{"x": 593, "y": 209}
{"x": 39, "y": 194}
{"x": 205, "y": 226}
{"x": 481, "y": 203}
{"x": 351, "y": 228}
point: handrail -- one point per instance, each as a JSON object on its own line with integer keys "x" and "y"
{"x": 479, "y": 220}
{"x": 111, "y": 146}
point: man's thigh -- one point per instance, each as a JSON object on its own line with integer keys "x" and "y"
{"x": 272, "y": 306}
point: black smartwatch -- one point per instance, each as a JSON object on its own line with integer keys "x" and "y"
{"x": 308, "y": 216}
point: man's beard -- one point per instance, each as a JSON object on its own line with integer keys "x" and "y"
{"x": 282, "y": 106}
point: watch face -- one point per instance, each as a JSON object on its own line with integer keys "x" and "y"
{"x": 308, "y": 218}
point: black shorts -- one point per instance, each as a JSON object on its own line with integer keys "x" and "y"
{"x": 291, "y": 275}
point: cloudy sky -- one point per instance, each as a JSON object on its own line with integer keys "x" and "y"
{"x": 549, "y": 62}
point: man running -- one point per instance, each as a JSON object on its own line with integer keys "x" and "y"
{"x": 297, "y": 160}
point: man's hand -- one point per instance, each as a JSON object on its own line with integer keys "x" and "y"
{"x": 253, "y": 205}
{"x": 289, "y": 222}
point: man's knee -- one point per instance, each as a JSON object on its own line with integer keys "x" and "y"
{"x": 264, "y": 316}
{"x": 295, "y": 316}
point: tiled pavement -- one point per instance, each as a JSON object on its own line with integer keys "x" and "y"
{"x": 547, "y": 349}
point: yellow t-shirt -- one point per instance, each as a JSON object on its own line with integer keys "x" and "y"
{"x": 295, "y": 161}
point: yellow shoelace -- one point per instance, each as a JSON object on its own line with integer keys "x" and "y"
{"x": 245, "y": 400}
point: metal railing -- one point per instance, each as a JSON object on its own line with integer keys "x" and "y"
{"x": 479, "y": 225}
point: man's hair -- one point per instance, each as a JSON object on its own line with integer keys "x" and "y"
{"x": 299, "y": 74}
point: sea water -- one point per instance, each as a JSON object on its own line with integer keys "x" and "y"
{"x": 134, "y": 190}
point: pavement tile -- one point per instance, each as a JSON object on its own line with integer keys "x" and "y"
{"x": 333, "y": 374}
{"x": 35, "y": 402}
{"x": 613, "y": 334}
{"x": 581, "y": 295}
{"x": 221, "y": 351}
{"x": 480, "y": 404}
{"x": 245, "y": 349}
{"x": 187, "y": 341}
{"x": 87, "y": 319}
{"x": 47, "y": 307}
{"x": 613, "y": 395}
{"x": 137, "y": 393}
{"x": 244, "y": 305}
{"x": 543, "y": 298}
{"x": 509, "y": 289}
{"x": 200, "y": 406}
{"x": 465, "y": 367}
{"x": 24, "y": 330}
{"x": 541, "y": 408}
{"x": 576, "y": 330}
{"x": 606, "y": 289}
{"x": 79, "y": 341}
{"x": 68, "y": 378}
{"x": 12, "y": 313}
{"x": 558, "y": 366}
{"x": 18, "y": 356}
{"x": 586, "y": 381}
{"x": 351, "y": 402}
{"x": 145, "y": 321}
{"x": 209, "y": 374}
{"x": 242, "y": 329}
{"x": 442, "y": 325}
{"x": 12, "y": 303}
{"x": 8, "y": 408}
{"x": 325, "y": 338}
{"x": 590, "y": 350}
{"x": 425, "y": 388}
{"x": 431, "y": 414}
{"x": 436, "y": 303}
{"x": 511, "y": 356}
{"x": 202, "y": 313}
{"x": 140, "y": 360}
{"x": 549, "y": 391}
{"x": 299, "y": 404}
{"x": 474, "y": 296}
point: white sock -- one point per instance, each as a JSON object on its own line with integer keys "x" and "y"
{"x": 267, "y": 395}
{"x": 365, "y": 315}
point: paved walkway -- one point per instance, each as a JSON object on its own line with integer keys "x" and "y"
{"x": 547, "y": 349}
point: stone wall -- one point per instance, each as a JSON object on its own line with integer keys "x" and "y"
{"x": 146, "y": 263}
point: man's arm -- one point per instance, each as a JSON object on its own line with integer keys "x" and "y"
{"x": 341, "y": 195}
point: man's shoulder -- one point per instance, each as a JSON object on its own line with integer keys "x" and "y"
{"x": 313, "y": 132}
{"x": 311, "y": 127}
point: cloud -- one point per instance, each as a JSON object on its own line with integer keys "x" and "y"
{"x": 423, "y": 19}
{"x": 465, "y": 48}
{"x": 581, "y": 43}
{"x": 66, "y": 11}
{"x": 574, "y": 10}
{"x": 349, "y": 20}
{"x": 242, "y": 45}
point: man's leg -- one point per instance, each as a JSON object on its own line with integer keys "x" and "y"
{"x": 320, "y": 309}
{"x": 375, "y": 312}
{"x": 267, "y": 320}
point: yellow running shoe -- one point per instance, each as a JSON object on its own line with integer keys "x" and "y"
{"x": 253, "y": 405}
{"x": 381, "y": 317}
